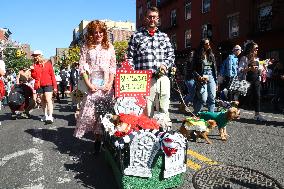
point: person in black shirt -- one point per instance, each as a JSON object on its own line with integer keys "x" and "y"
{"x": 74, "y": 76}
{"x": 64, "y": 81}
{"x": 21, "y": 98}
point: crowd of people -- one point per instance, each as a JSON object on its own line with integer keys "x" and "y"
{"x": 35, "y": 87}
{"x": 204, "y": 79}
{"x": 149, "y": 49}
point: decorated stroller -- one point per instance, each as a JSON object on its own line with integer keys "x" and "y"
{"x": 140, "y": 153}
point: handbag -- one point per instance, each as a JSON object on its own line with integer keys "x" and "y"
{"x": 82, "y": 85}
{"x": 240, "y": 86}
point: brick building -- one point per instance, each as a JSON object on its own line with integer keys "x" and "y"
{"x": 4, "y": 34}
{"x": 225, "y": 22}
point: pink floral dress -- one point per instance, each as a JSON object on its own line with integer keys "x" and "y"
{"x": 99, "y": 63}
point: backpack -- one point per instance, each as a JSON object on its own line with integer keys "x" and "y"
{"x": 15, "y": 97}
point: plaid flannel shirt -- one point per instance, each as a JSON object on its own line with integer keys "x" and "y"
{"x": 147, "y": 52}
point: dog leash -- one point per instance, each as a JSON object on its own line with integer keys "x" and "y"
{"x": 186, "y": 107}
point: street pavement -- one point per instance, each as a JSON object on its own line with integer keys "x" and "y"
{"x": 35, "y": 155}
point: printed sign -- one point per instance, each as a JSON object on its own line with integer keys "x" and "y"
{"x": 132, "y": 83}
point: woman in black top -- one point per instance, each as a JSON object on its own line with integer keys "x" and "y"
{"x": 205, "y": 74}
{"x": 249, "y": 68}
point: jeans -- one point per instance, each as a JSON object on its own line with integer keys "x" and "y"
{"x": 190, "y": 84}
{"x": 205, "y": 93}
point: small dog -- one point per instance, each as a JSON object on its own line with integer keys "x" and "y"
{"x": 194, "y": 128}
{"x": 222, "y": 118}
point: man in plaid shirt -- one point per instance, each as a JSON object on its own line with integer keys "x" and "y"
{"x": 150, "y": 49}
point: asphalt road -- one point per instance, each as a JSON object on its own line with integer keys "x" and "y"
{"x": 35, "y": 155}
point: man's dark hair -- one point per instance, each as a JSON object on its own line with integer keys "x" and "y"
{"x": 152, "y": 9}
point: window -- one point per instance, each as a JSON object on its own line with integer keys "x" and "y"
{"x": 187, "y": 11}
{"x": 206, "y": 31}
{"x": 206, "y": 4}
{"x": 140, "y": 13}
{"x": 173, "y": 18}
{"x": 174, "y": 41}
{"x": 158, "y": 3}
{"x": 233, "y": 26}
{"x": 148, "y": 4}
{"x": 265, "y": 18}
{"x": 187, "y": 38}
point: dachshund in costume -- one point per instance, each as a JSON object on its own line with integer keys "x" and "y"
{"x": 222, "y": 119}
{"x": 194, "y": 128}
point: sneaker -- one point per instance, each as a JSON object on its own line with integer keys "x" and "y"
{"x": 259, "y": 118}
{"x": 49, "y": 120}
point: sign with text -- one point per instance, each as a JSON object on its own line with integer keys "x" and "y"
{"x": 132, "y": 83}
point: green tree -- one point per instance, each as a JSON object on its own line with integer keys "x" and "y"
{"x": 15, "y": 58}
{"x": 72, "y": 56}
{"x": 120, "y": 50}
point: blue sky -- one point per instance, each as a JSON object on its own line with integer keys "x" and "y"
{"x": 48, "y": 24}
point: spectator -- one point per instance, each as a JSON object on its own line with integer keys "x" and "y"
{"x": 45, "y": 83}
{"x": 2, "y": 84}
{"x": 58, "y": 80}
{"x": 74, "y": 76}
{"x": 150, "y": 49}
{"x": 97, "y": 65}
{"x": 64, "y": 75}
{"x": 278, "y": 74}
{"x": 189, "y": 79}
{"x": 250, "y": 70}
{"x": 205, "y": 74}
{"x": 229, "y": 68}
{"x": 21, "y": 98}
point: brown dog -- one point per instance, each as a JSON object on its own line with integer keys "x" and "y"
{"x": 194, "y": 129}
{"x": 231, "y": 114}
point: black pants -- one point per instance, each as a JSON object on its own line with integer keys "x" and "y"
{"x": 254, "y": 92}
{"x": 63, "y": 87}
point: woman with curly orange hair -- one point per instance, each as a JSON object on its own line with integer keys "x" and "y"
{"x": 97, "y": 66}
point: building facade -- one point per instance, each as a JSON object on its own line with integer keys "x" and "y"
{"x": 4, "y": 34}
{"x": 224, "y": 22}
{"x": 117, "y": 31}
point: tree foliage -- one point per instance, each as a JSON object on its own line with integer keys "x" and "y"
{"x": 15, "y": 59}
{"x": 120, "y": 50}
{"x": 72, "y": 56}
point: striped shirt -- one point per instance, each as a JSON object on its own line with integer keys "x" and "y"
{"x": 147, "y": 52}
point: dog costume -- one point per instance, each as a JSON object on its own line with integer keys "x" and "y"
{"x": 219, "y": 117}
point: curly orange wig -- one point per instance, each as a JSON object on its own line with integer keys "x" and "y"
{"x": 91, "y": 28}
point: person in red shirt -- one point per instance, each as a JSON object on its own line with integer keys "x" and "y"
{"x": 45, "y": 83}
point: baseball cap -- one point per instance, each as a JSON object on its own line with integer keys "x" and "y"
{"x": 37, "y": 52}
{"x": 237, "y": 47}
